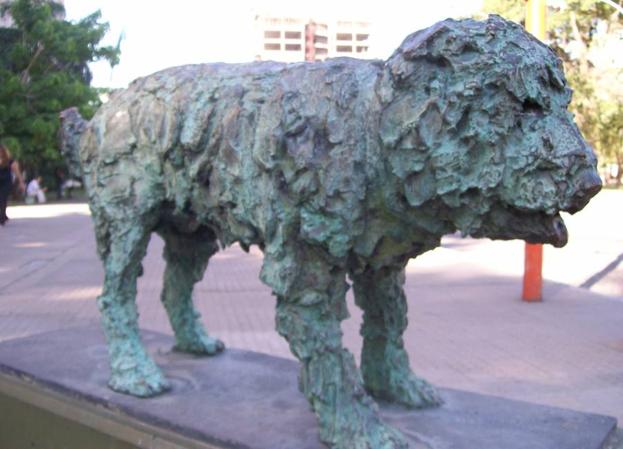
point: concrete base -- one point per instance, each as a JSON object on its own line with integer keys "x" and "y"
{"x": 248, "y": 400}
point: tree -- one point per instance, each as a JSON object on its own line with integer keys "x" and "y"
{"x": 43, "y": 70}
{"x": 586, "y": 34}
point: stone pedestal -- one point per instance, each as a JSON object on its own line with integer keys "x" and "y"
{"x": 53, "y": 394}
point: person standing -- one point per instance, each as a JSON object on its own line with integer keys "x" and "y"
{"x": 8, "y": 170}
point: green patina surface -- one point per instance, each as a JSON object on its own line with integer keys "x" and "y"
{"x": 341, "y": 169}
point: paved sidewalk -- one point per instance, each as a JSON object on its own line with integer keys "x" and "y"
{"x": 468, "y": 328}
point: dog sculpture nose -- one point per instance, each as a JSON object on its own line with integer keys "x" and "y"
{"x": 588, "y": 186}
{"x": 592, "y": 184}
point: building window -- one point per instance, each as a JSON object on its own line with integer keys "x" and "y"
{"x": 362, "y": 49}
{"x": 320, "y": 39}
{"x": 272, "y": 46}
{"x": 293, "y": 47}
{"x": 272, "y": 34}
{"x": 344, "y": 37}
{"x": 362, "y": 37}
{"x": 321, "y": 51}
{"x": 293, "y": 34}
{"x": 344, "y": 48}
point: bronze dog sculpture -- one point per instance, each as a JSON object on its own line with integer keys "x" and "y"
{"x": 342, "y": 168}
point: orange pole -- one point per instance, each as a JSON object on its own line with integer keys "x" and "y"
{"x": 533, "y": 267}
{"x": 532, "y": 276}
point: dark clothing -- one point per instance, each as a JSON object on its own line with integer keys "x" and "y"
{"x": 59, "y": 177}
{"x": 6, "y": 177}
{"x": 6, "y": 184}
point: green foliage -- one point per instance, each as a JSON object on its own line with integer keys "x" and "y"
{"x": 43, "y": 70}
{"x": 587, "y": 35}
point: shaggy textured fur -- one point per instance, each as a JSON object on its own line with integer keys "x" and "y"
{"x": 334, "y": 169}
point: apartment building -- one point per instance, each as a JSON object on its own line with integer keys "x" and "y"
{"x": 291, "y": 39}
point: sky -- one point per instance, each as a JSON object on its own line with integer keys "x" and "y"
{"x": 159, "y": 34}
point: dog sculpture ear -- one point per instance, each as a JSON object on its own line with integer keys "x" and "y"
{"x": 412, "y": 100}
{"x": 415, "y": 46}
{"x": 412, "y": 120}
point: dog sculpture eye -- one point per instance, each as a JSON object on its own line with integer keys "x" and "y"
{"x": 530, "y": 106}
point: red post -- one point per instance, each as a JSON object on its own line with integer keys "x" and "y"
{"x": 310, "y": 45}
{"x": 533, "y": 278}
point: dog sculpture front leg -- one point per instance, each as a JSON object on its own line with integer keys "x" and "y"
{"x": 310, "y": 305}
{"x": 384, "y": 361}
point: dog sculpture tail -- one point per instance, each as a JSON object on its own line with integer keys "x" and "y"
{"x": 72, "y": 128}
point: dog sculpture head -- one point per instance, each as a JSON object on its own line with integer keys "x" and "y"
{"x": 477, "y": 125}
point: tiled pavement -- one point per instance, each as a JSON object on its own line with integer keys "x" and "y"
{"x": 468, "y": 329}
